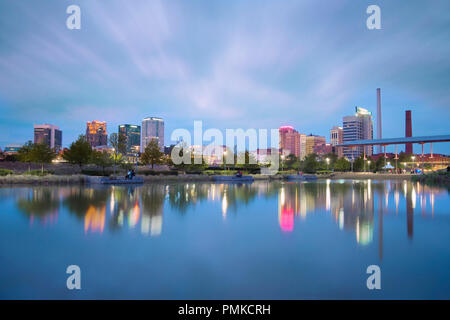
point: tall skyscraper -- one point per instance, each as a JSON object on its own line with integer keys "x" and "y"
{"x": 96, "y": 133}
{"x": 358, "y": 127}
{"x": 132, "y": 134}
{"x": 289, "y": 141}
{"x": 302, "y": 146}
{"x": 313, "y": 141}
{"x": 152, "y": 128}
{"x": 408, "y": 131}
{"x": 49, "y": 135}
{"x": 337, "y": 137}
{"x": 379, "y": 133}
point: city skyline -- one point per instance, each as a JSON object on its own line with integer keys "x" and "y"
{"x": 226, "y": 65}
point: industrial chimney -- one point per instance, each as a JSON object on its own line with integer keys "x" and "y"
{"x": 379, "y": 135}
{"x": 408, "y": 131}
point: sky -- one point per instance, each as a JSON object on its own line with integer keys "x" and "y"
{"x": 232, "y": 64}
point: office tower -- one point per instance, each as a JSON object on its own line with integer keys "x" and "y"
{"x": 312, "y": 141}
{"x": 96, "y": 133}
{"x": 49, "y": 135}
{"x": 408, "y": 132}
{"x": 379, "y": 134}
{"x": 289, "y": 141}
{"x": 336, "y": 137}
{"x": 152, "y": 128}
{"x": 302, "y": 146}
{"x": 132, "y": 134}
{"x": 358, "y": 127}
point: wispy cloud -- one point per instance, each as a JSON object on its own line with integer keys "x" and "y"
{"x": 233, "y": 64}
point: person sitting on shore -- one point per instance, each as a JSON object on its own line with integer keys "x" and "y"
{"x": 130, "y": 174}
{"x": 239, "y": 174}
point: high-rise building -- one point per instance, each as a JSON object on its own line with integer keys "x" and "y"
{"x": 49, "y": 135}
{"x": 336, "y": 137}
{"x": 358, "y": 127}
{"x": 96, "y": 133}
{"x": 132, "y": 134}
{"x": 302, "y": 146}
{"x": 312, "y": 141}
{"x": 289, "y": 141}
{"x": 152, "y": 128}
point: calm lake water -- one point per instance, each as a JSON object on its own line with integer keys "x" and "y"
{"x": 264, "y": 240}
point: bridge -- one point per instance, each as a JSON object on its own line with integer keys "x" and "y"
{"x": 395, "y": 141}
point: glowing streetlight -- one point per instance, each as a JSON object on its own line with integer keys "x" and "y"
{"x": 328, "y": 162}
{"x": 224, "y": 159}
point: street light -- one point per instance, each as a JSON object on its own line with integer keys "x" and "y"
{"x": 368, "y": 162}
{"x": 413, "y": 159}
{"x": 328, "y": 162}
{"x": 224, "y": 159}
{"x": 282, "y": 160}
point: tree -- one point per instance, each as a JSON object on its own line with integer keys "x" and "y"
{"x": 292, "y": 162}
{"x": 358, "y": 164}
{"x": 101, "y": 159}
{"x": 42, "y": 153}
{"x": 249, "y": 161}
{"x": 379, "y": 164}
{"x": 342, "y": 164}
{"x": 79, "y": 152}
{"x": 24, "y": 153}
{"x": 310, "y": 164}
{"x": 152, "y": 154}
{"x": 118, "y": 142}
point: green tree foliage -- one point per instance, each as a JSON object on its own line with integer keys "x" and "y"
{"x": 380, "y": 163}
{"x": 79, "y": 152}
{"x": 24, "y": 154}
{"x": 292, "y": 162}
{"x": 118, "y": 143}
{"x": 249, "y": 161}
{"x": 152, "y": 154}
{"x": 310, "y": 163}
{"x": 42, "y": 153}
{"x": 101, "y": 159}
{"x": 332, "y": 159}
{"x": 358, "y": 164}
{"x": 342, "y": 164}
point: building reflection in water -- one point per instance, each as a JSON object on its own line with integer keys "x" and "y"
{"x": 351, "y": 204}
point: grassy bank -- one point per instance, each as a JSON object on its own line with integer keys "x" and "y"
{"x": 365, "y": 175}
{"x": 42, "y": 179}
{"x": 437, "y": 178}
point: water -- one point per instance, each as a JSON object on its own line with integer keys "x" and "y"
{"x": 265, "y": 240}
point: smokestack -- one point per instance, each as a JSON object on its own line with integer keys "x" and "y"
{"x": 379, "y": 135}
{"x": 408, "y": 131}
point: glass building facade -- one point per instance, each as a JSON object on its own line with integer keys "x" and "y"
{"x": 152, "y": 128}
{"x": 48, "y": 134}
{"x": 132, "y": 134}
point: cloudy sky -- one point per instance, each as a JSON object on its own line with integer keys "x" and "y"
{"x": 232, "y": 64}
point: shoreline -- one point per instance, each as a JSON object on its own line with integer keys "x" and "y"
{"x": 84, "y": 179}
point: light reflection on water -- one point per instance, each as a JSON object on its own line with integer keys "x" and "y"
{"x": 362, "y": 209}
